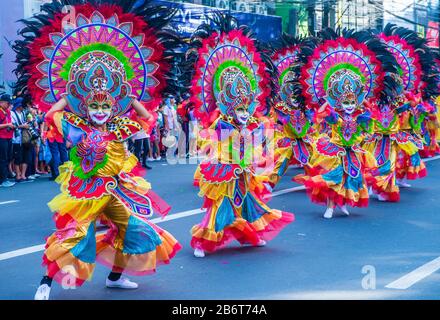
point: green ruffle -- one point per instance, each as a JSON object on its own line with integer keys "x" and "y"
{"x": 246, "y": 71}
{"x": 74, "y": 56}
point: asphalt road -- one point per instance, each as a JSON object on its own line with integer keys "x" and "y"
{"x": 356, "y": 257}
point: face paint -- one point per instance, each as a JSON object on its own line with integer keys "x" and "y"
{"x": 294, "y": 102}
{"x": 348, "y": 106}
{"x": 241, "y": 115}
{"x": 99, "y": 114}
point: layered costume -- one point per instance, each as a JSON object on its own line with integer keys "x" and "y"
{"x": 230, "y": 87}
{"x": 339, "y": 77}
{"x": 396, "y": 141}
{"x": 418, "y": 74}
{"x": 294, "y": 127}
{"x": 431, "y": 125}
{"x": 100, "y": 67}
{"x": 386, "y": 143}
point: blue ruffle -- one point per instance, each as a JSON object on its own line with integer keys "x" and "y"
{"x": 85, "y": 250}
{"x": 140, "y": 237}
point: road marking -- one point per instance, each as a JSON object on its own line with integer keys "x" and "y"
{"x": 178, "y": 215}
{"x": 21, "y": 252}
{"x": 40, "y": 247}
{"x": 183, "y": 214}
{"x": 10, "y": 201}
{"x": 284, "y": 191}
{"x": 415, "y": 276}
{"x": 431, "y": 159}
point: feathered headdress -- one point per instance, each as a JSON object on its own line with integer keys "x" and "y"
{"x": 414, "y": 57}
{"x": 354, "y": 66}
{"x": 228, "y": 70}
{"x": 104, "y": 49}
{"x": 286, "y": 60}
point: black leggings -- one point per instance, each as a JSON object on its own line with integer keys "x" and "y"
{"x": 140, "y": 144}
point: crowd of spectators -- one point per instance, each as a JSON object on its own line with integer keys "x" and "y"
{"x": 29, "y": 147}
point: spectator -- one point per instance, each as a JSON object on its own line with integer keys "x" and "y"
{"x": 193, "y": 130}
{"x": 34, "y": 127}
{"x": 57, "y": 146}
{"x": 40, "y": 167}
{"x": 156, "y": 133}
{"x": 21, "y": 141}
{"x": 6, "y": 135}
{"x": 169, "y": 111}
{"x": 142, "y": 148}
{"x": 183, "y": 127}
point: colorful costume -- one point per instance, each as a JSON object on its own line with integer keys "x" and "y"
{"x": 99, "y": 62}
{"x": 417, "y": 73}
{"x": 339, "y": 77}
{"x": 431, "y": 125}
{"x": 294, "y": 129}
{"x": 392, "y": 141}
{"x": 386, "y": 143}
{"x": 229, "y": 90}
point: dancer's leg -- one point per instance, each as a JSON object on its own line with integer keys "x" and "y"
{"x": 330, "y": 208}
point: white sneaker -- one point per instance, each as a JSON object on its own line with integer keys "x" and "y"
{"x": 381, "y": 198}
{"x": 199, "y": 253}
{"x": 345, "y": 210}
{"x": 7, "y": 184}
{"x": 32, "y": 177}
{"x": 403, "y": 184}
{"x": 261, "y": 243}
{"x": 150, "y": 159}
{"x": 42, "y": 293}
{"x": 122, "y": 283}
{"x": 158, "y": 158}
{"x": 328, "y": 214}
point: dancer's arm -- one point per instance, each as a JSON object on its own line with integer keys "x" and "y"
{"x": 59, "y": 106}
{"x": 141, "y": 111}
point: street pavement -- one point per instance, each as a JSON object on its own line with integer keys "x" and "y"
{"x": 364, "y": 256}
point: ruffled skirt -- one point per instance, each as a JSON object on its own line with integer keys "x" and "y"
{"x": 132, "y": 244}
{"x": 336, "y": 179}
{"x": 235, "y": 212}
{"x": 386, "y": 151}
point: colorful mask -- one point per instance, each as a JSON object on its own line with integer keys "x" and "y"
{"x": 230, "y": 74}
{"x": 99, "y": 107}
{"x": 236, "y": 95}
{"x": 345, "y": 91}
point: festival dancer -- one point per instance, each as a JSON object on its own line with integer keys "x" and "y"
{"x": 389, "y": 141}
{"x": 431, "y": 125}
{"x": 339, "y": 77}
{"x": 386, "y": 143}
{"x": 230, "y": 87}
{"x": 294, "y": 128}
{"x": 430, "y": 129}
{"x": 420, "y": 86}
{"x": 93, "y": 71}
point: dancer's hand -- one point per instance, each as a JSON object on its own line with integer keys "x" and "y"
{"x": 141, "y": 110}
{"x": 59, "y": 106}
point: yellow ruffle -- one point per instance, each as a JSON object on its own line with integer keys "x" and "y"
{"x": 66, "y": 261}
{"x": 266, "y": 219}
{"x": 80, "y": 210}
